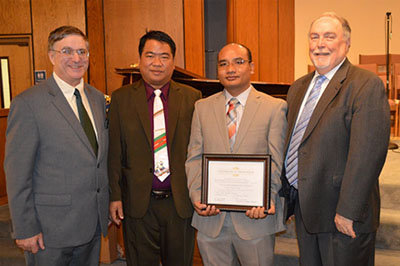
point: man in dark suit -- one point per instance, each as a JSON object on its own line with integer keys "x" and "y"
{"x": 56, "y": 160}
{"x": 149, "y": 133}
{"x": 335, "y": 149}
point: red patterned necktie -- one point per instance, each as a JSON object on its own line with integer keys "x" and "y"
{"x": 231, "y": 120}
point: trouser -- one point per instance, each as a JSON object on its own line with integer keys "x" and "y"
{"x": 84, "y": 255}
{"x": 333, "y": 249}
{"x": 229, "y": 249}
{"x": 161, "y": 235}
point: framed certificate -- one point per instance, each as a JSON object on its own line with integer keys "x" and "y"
{"x": 236, "y": 182}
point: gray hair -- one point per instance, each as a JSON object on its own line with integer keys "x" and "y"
{"x": 345, "y": 24}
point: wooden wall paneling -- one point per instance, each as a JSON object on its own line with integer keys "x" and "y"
{"x": 246, "y": 27}
{"x": 194, "y": 36}
{"x": 18, "y": 49}
{"x": 95, "y": 33}
{"x": 121, "y": 31}
{"x": 47, "y": 16}
{"x": 230, "y": 18}
{"x": 268, "y": 41}
{"x": 286, "y": 40}
{"x": 125, "y": 21}
{"x": 15, "y": 17}
{"x": 3, "y": 126}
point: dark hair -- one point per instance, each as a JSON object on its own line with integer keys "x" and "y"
{"x": 62, "y": 32}
{"x": 158, "y": 36}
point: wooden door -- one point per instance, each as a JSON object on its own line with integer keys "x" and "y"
{"x": 18, "y": 51}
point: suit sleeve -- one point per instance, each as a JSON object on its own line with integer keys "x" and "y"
{"x": 194, "y": 158}
{"x": 22, "y": 142}
{"x": 369, "y": 137}
{"x": 276, "y": 142}
{"x": 114, "y": 150}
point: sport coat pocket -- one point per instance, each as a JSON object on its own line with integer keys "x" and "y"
{"x": 52, "y": 199}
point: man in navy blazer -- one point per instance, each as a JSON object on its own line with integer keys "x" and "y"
{"x": 331, "y": 169}
{"x": 55, "y": 161}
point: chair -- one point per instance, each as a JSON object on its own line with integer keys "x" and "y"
{"x": 394, "y": 117}
{"x": 384, "y": 80}
{"x": 380, "y": 61}
{"x": 370, "y": 67}
{"x": 396, "y": 79}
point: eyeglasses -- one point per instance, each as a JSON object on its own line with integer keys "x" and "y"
{"x": 235, "y": 62}
{"x": 69, "y": 52}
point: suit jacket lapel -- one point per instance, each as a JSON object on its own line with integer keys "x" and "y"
{"x": 140, "y": 100}
{"x": 97, "y": 117}
{"x": 249, "y": 112}
{"x": 66, "y": 111}
{"x": 299, "y": 91}
{"x": 220, "y": 116}
{"x": 174, "y": 105}
{"x": 329, "y": 94}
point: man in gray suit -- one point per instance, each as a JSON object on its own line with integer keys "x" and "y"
{"x": 336, "y": 146}
{"x": 259, "y": 127}
{"x": 55, "y": 161}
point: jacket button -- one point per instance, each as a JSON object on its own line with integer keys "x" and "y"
{"x": 98, "y": 190}
{"x": 98, "y": 165}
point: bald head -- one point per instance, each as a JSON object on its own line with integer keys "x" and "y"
{"x": 249, "y": 56}
{"x": 235, "y": 68}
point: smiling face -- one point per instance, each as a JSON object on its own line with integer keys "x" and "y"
{"x": 234, "y": 68}
{"x": 327, "y": 43}
{"x": 156, "y": 63}
{"x": 69, "y": 68}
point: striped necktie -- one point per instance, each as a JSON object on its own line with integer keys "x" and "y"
{"x": 161, "y": 163}
{"x": 85, "y": 122}
{"x": 231, "y": 120}
{"x": 301, "y": 126}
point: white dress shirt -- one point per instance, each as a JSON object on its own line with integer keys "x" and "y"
{"x": 324, "y": 84}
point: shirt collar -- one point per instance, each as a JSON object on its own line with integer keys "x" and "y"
{"x": 242, "y": 98}
{"x": 67, "y": 89}
{"x": 150, "y": 90}
{"x": 331, "y": 73}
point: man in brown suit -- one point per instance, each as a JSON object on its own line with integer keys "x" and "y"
{"x": 335, "y": 148}
{"x": 150, "y": 197}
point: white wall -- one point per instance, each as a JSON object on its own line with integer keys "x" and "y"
{"x": 367, "y": 20}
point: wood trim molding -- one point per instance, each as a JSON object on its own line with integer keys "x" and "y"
{"x": 95, "y": 33}
{"x": 194, "y": 36}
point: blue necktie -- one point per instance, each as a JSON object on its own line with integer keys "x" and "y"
{"x": 301, "y": 126}
{"x": 85, "y": 122}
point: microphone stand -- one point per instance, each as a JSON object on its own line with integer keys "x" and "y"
{"x": 392, "y": 145}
